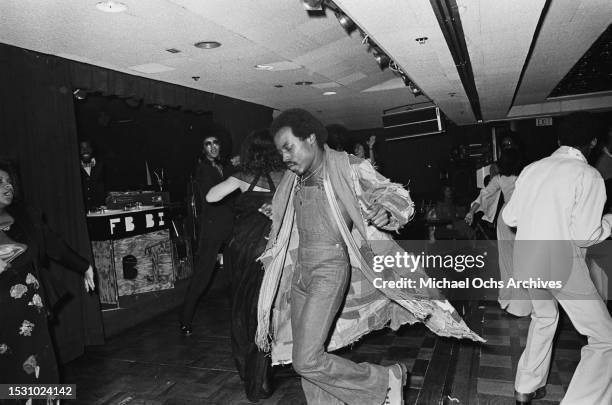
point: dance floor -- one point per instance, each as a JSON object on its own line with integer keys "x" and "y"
{"x": 153, "y": 364}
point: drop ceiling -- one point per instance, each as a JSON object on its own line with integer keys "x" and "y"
{"x": 519, "y": 51}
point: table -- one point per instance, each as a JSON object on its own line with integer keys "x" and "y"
{"x": 133, "y": 252}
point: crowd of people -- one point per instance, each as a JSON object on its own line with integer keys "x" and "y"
{"x": 296, "y": 218}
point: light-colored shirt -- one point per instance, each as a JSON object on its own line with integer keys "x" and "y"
{"x": 87, "y": 166}
{"x": 558, "y": 200}
{"x": 489, "y": 196}
{"x": 560, "y": 197}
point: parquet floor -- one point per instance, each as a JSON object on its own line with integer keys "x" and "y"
{"x": 152, "y": 364}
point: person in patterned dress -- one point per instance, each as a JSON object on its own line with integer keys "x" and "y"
{"x": 27, "y": 292}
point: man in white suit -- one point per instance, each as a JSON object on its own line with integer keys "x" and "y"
{"x": 557, "y": 208}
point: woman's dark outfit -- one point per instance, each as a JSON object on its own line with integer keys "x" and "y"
{"x": 247, "y": 243}
{"x": 28, "y": 292}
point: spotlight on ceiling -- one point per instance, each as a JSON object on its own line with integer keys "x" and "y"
{"x": 79, "y": 94}
{"x": 414, "y": 89}
{"x": 312, "y": 5}
{"x": 411, "y": 86}
{"x": 382, "y": 59}
{"x": 346, "y": 23}
{"x": 111, "y": 6}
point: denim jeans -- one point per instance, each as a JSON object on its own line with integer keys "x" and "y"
{"x": 319, "y": 286}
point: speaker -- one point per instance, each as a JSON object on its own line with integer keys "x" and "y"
{"x": 129, "y": 267}
{"x": 412, "y": 123}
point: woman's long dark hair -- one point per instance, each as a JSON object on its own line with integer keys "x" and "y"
{"x": 510, "y": 163}
{"x": 259, "y": 155}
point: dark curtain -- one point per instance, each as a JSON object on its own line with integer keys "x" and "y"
{"x": 37, "y": 127}
{"x": 240, "y": 117}
{"x": 111, "y": 83}
{"x": 38, "y": 130}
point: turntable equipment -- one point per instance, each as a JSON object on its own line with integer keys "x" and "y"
{"x": 122, "y": 199}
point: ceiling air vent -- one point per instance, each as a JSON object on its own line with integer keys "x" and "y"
{"x": 412, "y": 123}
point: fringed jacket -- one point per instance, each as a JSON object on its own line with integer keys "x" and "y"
{"x": 356, "y": 184}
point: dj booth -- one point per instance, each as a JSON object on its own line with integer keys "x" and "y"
{"x": 137, "y": 249}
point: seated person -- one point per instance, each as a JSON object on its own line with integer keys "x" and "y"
{"x": 446, "y": 218}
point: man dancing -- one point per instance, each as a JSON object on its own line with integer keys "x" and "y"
{"x": 556, "y": 207}
{"x": 216, "y": 223}
{"x": 324, "y": 215}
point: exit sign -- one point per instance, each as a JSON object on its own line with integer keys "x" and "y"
{"x": 543, "y": 121}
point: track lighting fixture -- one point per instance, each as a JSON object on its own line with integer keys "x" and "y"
{"x": 346, "y": 23}
{"x": 414, "y": 89}
{"x": 382, "y": 59}
{"x": 410, "y": 84}
{"x": 312, "y": 5}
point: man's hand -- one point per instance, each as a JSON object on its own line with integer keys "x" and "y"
{"x": 469, "y": 218}
{"x": 90, "y": 284}
{"x": 378, "y": 216}
{"x": 266, "y": 209}
{"x": 3, "y": 266}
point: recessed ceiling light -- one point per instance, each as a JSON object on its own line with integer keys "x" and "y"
{"x": 329, "y": 93}
{"x": 111, "y": 6}
{"x": 264, "y": 67}
{"x": 207, "y": 44}
{"x": 303, "y": 83}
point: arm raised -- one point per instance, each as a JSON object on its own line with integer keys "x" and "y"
{"x": 223, "y": 189}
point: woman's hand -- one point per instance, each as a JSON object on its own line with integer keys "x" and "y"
{"x": 371, "y": 141}
{"x": 3, "y": 266}
{"x": 90, "y": 284}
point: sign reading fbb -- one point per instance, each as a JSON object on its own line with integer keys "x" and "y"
{"x": 119, "y": 226}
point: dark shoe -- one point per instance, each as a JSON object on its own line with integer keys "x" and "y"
{"x": 525, "y": 399}
{"x": 186, "y": 330}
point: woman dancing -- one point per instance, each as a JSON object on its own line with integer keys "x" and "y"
{"x": 515, "y": 301}
{"x": 27, "y": 290}
{"x": 260, "y": 172}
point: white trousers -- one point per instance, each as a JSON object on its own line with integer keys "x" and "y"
{"x": 600, "y": 279}
{"x": 592, "y": 381}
